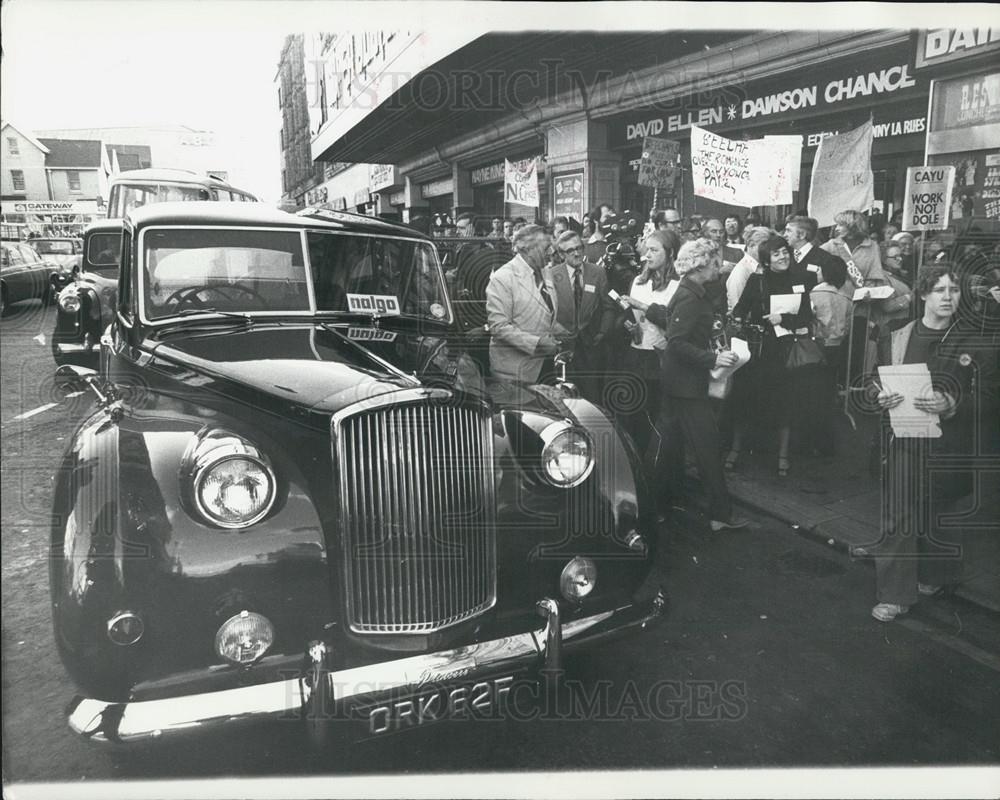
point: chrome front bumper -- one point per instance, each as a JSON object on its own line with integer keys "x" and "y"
{"x": 131, "y": 722}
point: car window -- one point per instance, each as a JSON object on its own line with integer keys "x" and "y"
{"x": 366, "y": 265}
{"x": 103, "y": 252}
{"x": 53, "y": 247}
{"x": 223, "y": 269}
{"x": 29, "y": 254}
{"x": 129, "y": 196}
{"x": 13, "y": 257}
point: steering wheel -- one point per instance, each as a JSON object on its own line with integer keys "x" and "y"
{"x": 190, "y": 295}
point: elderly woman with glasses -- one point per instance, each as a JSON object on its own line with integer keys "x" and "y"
{"x": 781, "y": 391}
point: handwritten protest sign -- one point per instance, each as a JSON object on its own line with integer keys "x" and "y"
{"x": 720, "y": 168}
{"x": 520, "y": 182}
{"x": 779, "y": 169}
{"x": 658, "y": 165}
{"x": 842, "y": 177}
{"x": 928, "y": 198}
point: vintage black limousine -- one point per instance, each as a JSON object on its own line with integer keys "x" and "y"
{"x": 86, "y": 306}
{"x": 298, "y": 497}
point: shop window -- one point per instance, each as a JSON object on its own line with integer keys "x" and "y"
{"x": 17, "y": 177}
{"x": 13, "y": 148}
{"x": 73, "y": 179}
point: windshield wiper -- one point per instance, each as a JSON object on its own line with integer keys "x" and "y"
{"x": 245, "y": 320}
{"x": 188, "y": 312}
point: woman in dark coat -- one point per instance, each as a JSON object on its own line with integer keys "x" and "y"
{"x": 780, "y": 390}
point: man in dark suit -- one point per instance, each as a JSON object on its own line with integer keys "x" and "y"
{"x": 712, "y": 230}
{"x": 687, "y": 361}
{"x": 800, "y": 233}
{"x": 584, "y": 309}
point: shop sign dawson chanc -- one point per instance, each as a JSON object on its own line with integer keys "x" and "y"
{"x": 829, "y": 90}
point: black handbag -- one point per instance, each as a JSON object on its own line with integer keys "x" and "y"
{"x": 804, "y": 351}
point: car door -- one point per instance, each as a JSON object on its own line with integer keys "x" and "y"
{"x": 37, "y": 271}
{"x": 15, "y": 275}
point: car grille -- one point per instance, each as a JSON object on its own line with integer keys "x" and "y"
{"x": 417, "y": 515}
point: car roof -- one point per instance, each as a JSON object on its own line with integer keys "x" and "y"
{"x": 166, "y": 174}
{"x": 102, "y": 225}
{"x": 227, "y": 214}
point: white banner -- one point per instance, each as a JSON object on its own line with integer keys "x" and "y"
{"x": 520, "y": 182}
{"x": 720, "y": 168}
{"x": 842, "y": 175}
{"x": 791, "y": 163}
{"x": 928, "y": 198}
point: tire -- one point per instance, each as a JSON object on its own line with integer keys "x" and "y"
{"x": 49, "y": 294}
{"x": 3, "y": 300}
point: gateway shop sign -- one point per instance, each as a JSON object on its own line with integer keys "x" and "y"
{"x": 50, "y": 207}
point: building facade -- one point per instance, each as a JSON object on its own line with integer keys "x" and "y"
{"x": 23, "y": 174}
{"x": 444, "y": 122}
{"x": 299, "y": 174}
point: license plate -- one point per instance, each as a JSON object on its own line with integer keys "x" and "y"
{"x": 483, "y": 699}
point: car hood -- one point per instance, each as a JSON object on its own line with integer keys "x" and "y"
{"x": 313, "y": 367}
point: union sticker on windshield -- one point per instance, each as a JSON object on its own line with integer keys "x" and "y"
{"x": 380, "y": 304}
{"x": 370, "y": 335}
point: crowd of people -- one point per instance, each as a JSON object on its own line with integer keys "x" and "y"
{"x": 651, "y": 337}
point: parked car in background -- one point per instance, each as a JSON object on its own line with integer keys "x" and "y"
{"x": 24, "y": 275}
{"x": 299, "y": 497}
{"x": 85, "y": 307}
{"x": 64, "y": 251}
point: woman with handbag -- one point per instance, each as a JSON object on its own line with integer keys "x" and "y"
{"x": 787, "y": 350}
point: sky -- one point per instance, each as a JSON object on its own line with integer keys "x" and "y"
{"x": 211, "y": 65}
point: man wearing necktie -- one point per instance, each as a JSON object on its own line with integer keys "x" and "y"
{"x": 584, "y": 310}
{"x": 522, "y": 311}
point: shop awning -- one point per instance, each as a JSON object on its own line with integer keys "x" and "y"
{"x": 491, "y": 77}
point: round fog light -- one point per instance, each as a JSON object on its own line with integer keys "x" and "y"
{"x": 125, "y": 628}
{"x": 578, "y": 579}
{"x": 244, "y": 638}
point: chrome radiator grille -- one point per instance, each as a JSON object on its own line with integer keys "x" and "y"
{"x": 417, "y": 515}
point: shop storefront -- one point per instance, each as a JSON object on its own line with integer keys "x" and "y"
{"x": 963, "y": 125}
{"x": 385, "y": 185}
{"x": 48, "y": 217}
{"x": 488, "y": 191}
{"x": 812, "y": 103}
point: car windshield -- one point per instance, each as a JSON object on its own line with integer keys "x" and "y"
{"x": 53, "y": 247}
{"x": 103, "y": 252}
{"x": 376, "y": 275}
{"x": 125, "y": 197}
{"x": 225, "y": 270}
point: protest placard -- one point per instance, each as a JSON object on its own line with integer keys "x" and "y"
{"x": 658, "y": 165}
{"x": 720, "y": 168}
{"x": 842, "y": 177}
{"x": 520, "y": 182}
{"x": 928, "y": 198}
{"x": 780, "y": 168}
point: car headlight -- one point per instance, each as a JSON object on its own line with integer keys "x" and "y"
{"x": 232, "y": 483}
{"x": 567, "y": 455}
{"x": 69, "y": 301}
{"x": 244, "y": 638}
{"x": 578, "y": 578}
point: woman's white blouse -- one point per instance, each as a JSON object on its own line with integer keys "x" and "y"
{"x": 652, "y": 336}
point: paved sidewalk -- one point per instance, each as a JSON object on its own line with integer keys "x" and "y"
{"x": 834, "y": 500}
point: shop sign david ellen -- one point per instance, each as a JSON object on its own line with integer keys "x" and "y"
{"x": 928, "y": 198}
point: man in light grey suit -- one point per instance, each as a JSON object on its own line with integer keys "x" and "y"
{"x": 584, "y": 309}
{"x": 521, "y": 311}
